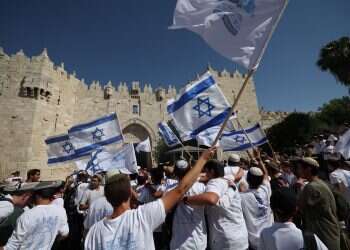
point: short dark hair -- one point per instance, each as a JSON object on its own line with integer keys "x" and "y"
{"x": 254, "y": 181}
{"x": 216, "y": 166}
{"x": 32, "y": 172}
{"x": 47, "y": 193}
{"x": 118, "y": 190}
{"x": 283, "y": 203}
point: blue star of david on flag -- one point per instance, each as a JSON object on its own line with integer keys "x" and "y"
{"x": 240, "y": 139}
{"x": 68, "y": 147}
{"x": 93, "y": 164}
{"x": 204, "y": 107}
{"x": 97, "y": 134}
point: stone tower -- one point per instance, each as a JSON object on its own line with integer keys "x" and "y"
{"x": 39, "y": 99}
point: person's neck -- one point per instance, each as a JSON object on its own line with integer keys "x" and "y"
{"x": 41, "y": 201}
{"x": 121, "y": 209}
{"x": 311, "y": 178}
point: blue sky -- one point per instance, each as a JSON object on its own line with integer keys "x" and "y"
{"x": 129, "y": 40}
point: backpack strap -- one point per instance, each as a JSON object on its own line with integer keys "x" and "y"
{"x": 309, "y": 241}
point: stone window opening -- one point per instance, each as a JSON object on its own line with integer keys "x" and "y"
{"x": 135, "y": 109}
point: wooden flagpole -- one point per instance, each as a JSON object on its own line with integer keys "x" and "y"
{"x": 234, "y": 105}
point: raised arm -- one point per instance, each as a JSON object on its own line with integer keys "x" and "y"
{"x": 175, "y": 195}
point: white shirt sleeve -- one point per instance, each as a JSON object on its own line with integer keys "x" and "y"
{"x": 6, "y": 208}
{"x": 63, "y": 222}
{"x": 218, "y": 186}
{"x": 153, "y": 213}
{"x": 85, "y": 198}
{"x": 18, "y": 235}
{"x": 320, "y": 245}
{"x": 335, "y": 178}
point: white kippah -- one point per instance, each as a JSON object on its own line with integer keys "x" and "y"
{"x": 234, "y": 158}
{"x": 181, "y": 164}
{"x": 256, "y": 171}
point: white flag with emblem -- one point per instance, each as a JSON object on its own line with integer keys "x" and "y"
{"x": 238, "y": 141}
{"x": 92, "y": 135}
{"x": 237, "y": 29}
{"x": 103, "y": 159}
{"x": 343, "y": 145}
{"x": 168, "y": 135}
{"x": 60, "y": 149}
{"x": 198, "y": 107}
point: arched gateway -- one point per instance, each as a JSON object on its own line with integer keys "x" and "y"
{"x": 136, "y": 130}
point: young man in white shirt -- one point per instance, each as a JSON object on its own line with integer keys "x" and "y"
{"x": 340, "y": 178}
{"x": 227, "y": 229}
{"x": 283, "y": 234}
{"x": 38, "y": 227}
{"x": 256, "y": 202}
{"x": 188, "y": 227}
{"x": 94, "y": 192}
{"x": 11, "y": 207}
{"x": 98, "y": 209}
{"x": 133, "y": 229}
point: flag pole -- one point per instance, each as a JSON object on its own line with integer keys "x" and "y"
{"x": 234, "y": 105}
{"x": 245, "y": 132}
{"x": 251, "y": 71}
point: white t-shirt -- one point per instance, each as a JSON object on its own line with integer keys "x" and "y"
{"x": 340, "y": 176}
{"x": 6, "y": 208}
{"x": 189, "y": 229}
{"x": 38, "y": 227}
{"x": 257, "y": 212}
{"x": 227, "y": 229}
{"x": 133, "y": 230}
{"x": 91, "y": 195}
{"x": 82, "y": 187}
{"x": 285, "y": 236}
{"x": 231, "y": 170}
{"x": 99, "y": 209}
{"x": 58, "y": 202}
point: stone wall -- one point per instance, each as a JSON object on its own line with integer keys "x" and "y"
{"x": 39, "y": 99}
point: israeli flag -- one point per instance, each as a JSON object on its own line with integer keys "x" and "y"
{"x": 103, "y": 159}
{"x": 237, "y": 29}
{"x": 92, "y": 135}
{"x": 168, "y": 135}
{"x": 60, "y": 149}
{"x": 198, "y": 107}
{"x": 238, "y": 141}
{"x": 208, "y": 136}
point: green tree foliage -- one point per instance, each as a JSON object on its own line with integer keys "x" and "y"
{"x": 335, "y": 58}
{"x": 160, "y": 150}
{"x": 336, "y": 112}
{"x": 297, "y": 128}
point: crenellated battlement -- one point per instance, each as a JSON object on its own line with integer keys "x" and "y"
{"x": 39, "y": 98}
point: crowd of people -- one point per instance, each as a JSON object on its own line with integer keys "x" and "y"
{"x": 262, "y": 202}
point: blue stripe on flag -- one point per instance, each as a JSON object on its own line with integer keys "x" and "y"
{"x": 57, "y": 139}
{"x": 248, "y": 131}
{"x": 66, "y": 158}
{"x": 97, "y": 145}
{"x": 217, "y": 120}
{"x": 189, "y": 95}
{"x": 93, "y": 123}
{"x": 247, "y": 145}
